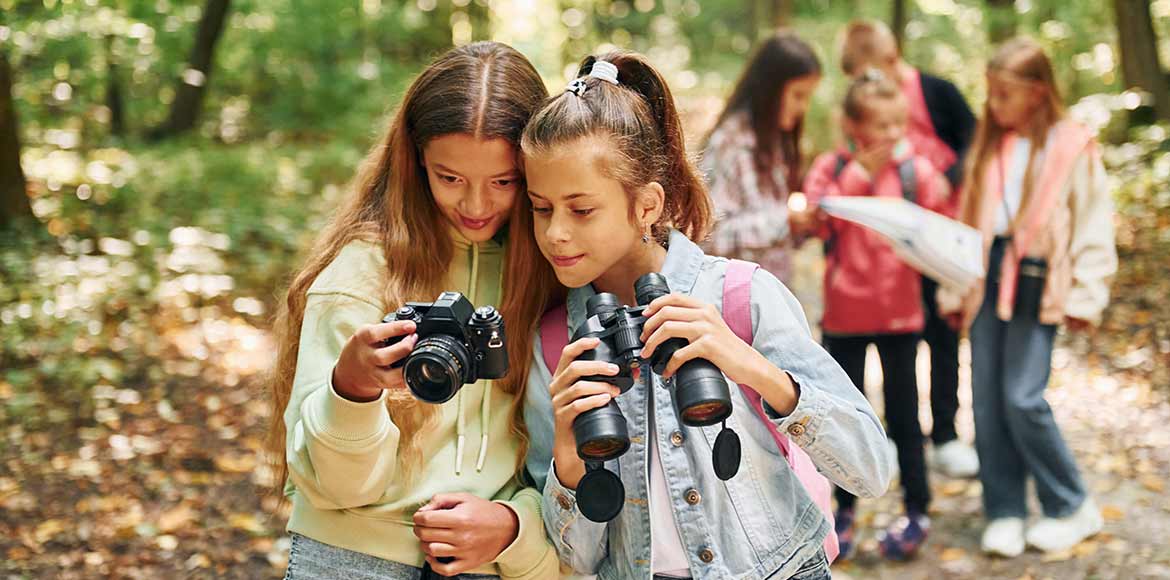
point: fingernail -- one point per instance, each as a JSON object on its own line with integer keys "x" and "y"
{"x": 613, "y": 368}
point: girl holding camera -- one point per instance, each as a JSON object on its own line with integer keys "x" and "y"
{"x": 383, "y": 485}
{"x": 1037, "y": 190}
{"x": 612, "y": 196}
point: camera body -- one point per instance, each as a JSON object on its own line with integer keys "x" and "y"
{"x": 457, "y": 344}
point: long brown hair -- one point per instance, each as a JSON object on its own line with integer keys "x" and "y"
{"x": 1021, "y": 59}
{"x": 781, "y": 59}
{"x": 638, "y": 118}
{"x": 485, "y": 89}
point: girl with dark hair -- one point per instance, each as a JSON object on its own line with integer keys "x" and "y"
{"x": 753, "y": 159}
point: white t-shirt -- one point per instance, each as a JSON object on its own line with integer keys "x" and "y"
{"x": 667, "y": 554}
{"x": 1013, "y": 187}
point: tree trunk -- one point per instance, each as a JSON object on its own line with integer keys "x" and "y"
{"x": 898, "y": 22}
{"x": 192, "y": 84}
{"x": 114, "y": 92}
{"x": 1001, "y": 20}
{"x": 781, "y": 13}
{"x": 1139, "y": 53}
{"x": 14, "y": 204}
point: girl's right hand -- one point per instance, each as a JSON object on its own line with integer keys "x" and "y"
{"x": 571, "y": 397}
{"x": 363, "y": 369}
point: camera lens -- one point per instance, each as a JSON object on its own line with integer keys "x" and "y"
{"x": 437, "y": 368}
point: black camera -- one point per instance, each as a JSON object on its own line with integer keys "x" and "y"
{"x": 457, "y": 344}
{"x": 700, "y": 396}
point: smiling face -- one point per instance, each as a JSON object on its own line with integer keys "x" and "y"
{"x": 474, "y": 182}
{"x": 583, "y": 220}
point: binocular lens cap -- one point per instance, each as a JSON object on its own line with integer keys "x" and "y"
{"x": 600, "y": 495}
{"x": 725, "y": 454}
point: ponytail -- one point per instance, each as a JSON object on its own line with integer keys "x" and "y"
{"x": 638, "y": 116}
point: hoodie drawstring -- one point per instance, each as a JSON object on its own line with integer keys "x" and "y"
{"x": 485, "y": 408}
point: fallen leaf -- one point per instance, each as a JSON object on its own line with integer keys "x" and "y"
{"x": 246, "y": 522}
{"x": 1153, "y": 483}
{"x": 175, "y": 518}
{"x": 1112, "y": 513}
{"x": 235, "y": 463}
{"x": 953, "y": 554}
{"x": 47, "y": 529}
{"x": 1058, "y": 556}
{"x": 1086, "y": 549}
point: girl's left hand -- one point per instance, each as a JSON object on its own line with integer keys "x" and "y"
{"x": 465, "y": 530}
{"x": 680, "y": 316}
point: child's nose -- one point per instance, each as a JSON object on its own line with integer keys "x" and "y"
{"x": 477, "y": 201}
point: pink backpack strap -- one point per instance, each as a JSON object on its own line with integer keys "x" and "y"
{"x": 554, "y": 335}
{"x": 737, "y": 312}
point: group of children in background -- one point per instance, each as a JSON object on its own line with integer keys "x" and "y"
{"x": 485, "y": 185}
{"x": 1033, "y": 185}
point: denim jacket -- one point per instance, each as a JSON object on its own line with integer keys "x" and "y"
{"x": 759, "y": 524}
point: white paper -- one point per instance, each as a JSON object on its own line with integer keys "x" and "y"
{"x": 946, "y": 251}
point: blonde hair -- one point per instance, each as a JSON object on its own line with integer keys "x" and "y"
{"x": 862, "y": 40}
{"x": 871, "y": 85}
{"x": 1020, "y": 60}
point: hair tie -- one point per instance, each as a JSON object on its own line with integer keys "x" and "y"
{"x": 605, "y": 71}
{"x": 602, "y": 70}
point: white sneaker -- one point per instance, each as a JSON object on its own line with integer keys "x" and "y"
{"x": 1056, "y": 534}
{"x": 1004, "y": 537}
{"x": 956, "y": 459}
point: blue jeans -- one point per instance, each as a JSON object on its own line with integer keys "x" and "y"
{"x": 309, "y": 559}
{"x": 1015, "y": 432}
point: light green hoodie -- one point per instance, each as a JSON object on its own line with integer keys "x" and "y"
{"x": 346, "y": 486}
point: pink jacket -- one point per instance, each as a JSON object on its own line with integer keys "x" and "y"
{"x": 868, "y": 289}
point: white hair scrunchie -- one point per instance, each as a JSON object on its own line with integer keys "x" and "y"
{"x": 602, "y": 70}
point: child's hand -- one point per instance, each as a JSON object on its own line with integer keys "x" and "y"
{"x": 464, "y": 530}
{"x": 875, "y": 158}
{"x": 679, "y": 316}
{"x": 363, "y": 369}
{"x": 571, "y": 397}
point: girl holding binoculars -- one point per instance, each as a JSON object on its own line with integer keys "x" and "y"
{"x": 613, "y": 196}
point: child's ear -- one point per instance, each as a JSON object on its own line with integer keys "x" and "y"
{"x": 650, "y": 203}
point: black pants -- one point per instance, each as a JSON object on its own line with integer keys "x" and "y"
{"x": 944, "y": 367}
{"x": 900, "y": 388}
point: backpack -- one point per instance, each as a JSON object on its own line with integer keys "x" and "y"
{"x": 737, "y": 301}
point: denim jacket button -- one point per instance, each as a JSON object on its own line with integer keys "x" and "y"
{"x": 706, "y": 555}
{"x": 796, "y": 430}
{"x": 676, "y": 438}
{"x": 565, "y": 501}
{"x": 693, "y": 497}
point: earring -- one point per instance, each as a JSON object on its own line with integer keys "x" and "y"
{"x": 645, "y": 238}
